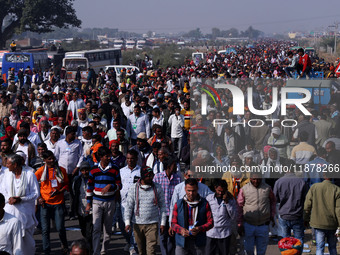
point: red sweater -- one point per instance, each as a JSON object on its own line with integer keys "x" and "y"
{"x": 305, "y": 61}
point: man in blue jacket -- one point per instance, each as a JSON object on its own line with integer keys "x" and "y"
{"x": 191, "y": 219}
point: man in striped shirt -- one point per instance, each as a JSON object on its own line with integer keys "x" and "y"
{"x": 103, "y": 183}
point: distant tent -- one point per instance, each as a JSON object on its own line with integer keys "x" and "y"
{"x": 230, "y": 50}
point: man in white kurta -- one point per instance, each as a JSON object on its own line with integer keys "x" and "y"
{"x": 21, "y": 189}
{"x": 10, "y": 231}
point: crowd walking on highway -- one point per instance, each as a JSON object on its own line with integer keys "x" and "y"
{"x": 123, "y": 154}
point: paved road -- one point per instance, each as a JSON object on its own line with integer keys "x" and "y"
{"x": 118, "y": 242}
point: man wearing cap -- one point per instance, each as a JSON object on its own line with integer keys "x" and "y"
{"x": 279, "y": 141}
{"x": 79, "y": 187}
{"x": 153, "y": 102}
{"x": 198, "y": 129}
{"x": 146, "y": 201}
{"x": 54, "y": 138}
{"x": 143, "y": 148}
{"x": 82, "y": 118}
{"x": 136, "y": 123}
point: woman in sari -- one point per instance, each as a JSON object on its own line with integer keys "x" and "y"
{"x": 9, "y": 133}
{"x": 4, "y": 124}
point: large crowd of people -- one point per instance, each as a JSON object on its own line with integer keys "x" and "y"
{"x": 123, "y": 155}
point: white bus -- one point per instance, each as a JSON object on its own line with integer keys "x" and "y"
{"x": 84, "y": 60}
{"x": 140, "y": 44}
{"x": 118, "y": 44}
{"x": 130, "y": 44}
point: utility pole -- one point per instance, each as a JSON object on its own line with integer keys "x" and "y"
{"x": 336, "y": 25}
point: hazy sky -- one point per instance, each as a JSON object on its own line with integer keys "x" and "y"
{"x": 183, "y": 15}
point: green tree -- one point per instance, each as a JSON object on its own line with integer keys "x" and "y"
{"x": 17, "y": 16}
{"x": 232, "y": 32}
{"x": 196, "y": 33}
{"x": 251, "y": 33}
{"x": 326, "y": 41}
{"x": 215, "y": 32}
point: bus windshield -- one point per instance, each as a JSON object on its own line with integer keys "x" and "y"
{"x": 73, "y": 64}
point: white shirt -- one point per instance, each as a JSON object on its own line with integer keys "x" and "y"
{"x": 112, "y": 134}
{"x": 177, "y": 124}
{"x": 24, "y": 210}
{"x": 3, "y": 170}
{"x": 127, "y": 110}
{"x": 87, "y": 144}
{"x": 136, "y": 125}
{"x": 50, "y": 145}
{"x": 69, "y": 155}
{"x": 170, "y": 86}
{"x": 127, "y": 176}
{"x": 159, "y": 121}
{"x": 11, "y": 235}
